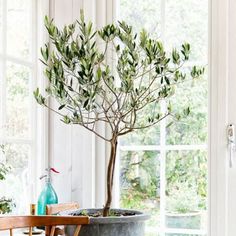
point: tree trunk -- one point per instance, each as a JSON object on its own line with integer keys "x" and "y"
{"x": 110, "y": 176}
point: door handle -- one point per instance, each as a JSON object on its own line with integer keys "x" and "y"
{"x": 231, "y": 143}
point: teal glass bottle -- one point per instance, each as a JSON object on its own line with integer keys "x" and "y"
{"x": 48, "y": 194}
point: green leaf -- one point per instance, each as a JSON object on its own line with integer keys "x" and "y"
{"x": 86, "y": 103}
{"x": 143, "y": 38}
{"x": 36, "y": 92}
{"x": 38, "y": 97}
{"x": 45, "y": 53}
{"x": 167, "y": 80}
{"x": 61, "y": 107}
{"x": 169, "y": 107}
{"x": 175, "y": 57}
{"x": 99, "y": 73}
{"x": 169, "y": 124}
{"x": 118, "y": 48}
{"x": 186, "y": 50}
{"x": 66, "y": 120}
{"x": 82, "y": 15}
{"x": 43, "y": 62}
{"x": 70, "y": 88}
{"x": 186, "y": 111}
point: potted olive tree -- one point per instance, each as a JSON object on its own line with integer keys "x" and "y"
{"x": 90, "y": 88}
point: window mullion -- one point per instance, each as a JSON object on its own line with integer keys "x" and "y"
{"x": 16, "y": 141}
{"x": 22, "y": 62}
{"x": 162, "y": 143}
{"x": 162, "y": 170}
{"x": 176, "y": 147}
{"x": 32, "y": 85}
{"x": 3, "y": 75}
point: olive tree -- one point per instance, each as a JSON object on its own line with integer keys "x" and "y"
{"x": 91, "y": 87}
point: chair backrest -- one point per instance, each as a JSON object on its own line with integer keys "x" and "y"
{"x": 14, "y": 222}
{"x": 53, "y": 209}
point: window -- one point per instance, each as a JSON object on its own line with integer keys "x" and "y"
{"x": 168, "y": 174}
{"x": 18, "y": 73}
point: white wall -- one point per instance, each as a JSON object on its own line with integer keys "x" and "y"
{"x": 70, "y": 147}
{"x": 75, "y": 152}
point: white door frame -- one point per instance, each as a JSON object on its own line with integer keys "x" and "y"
{"x": 231, "y": 205}
{"x": 218, "y": 117}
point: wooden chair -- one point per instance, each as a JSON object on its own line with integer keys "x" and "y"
{"x": 54, "y": 209}
{"x": 50, "y": 222}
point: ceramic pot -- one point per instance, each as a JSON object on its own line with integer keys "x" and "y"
{"x": 133, "y": 224}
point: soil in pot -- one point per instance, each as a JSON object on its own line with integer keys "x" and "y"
{"x": 121, "y": 222}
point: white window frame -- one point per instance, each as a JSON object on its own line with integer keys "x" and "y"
{"x": 217, "y": 117}
{"x": 103, "y": 12}
{"x": 37, "y": 139}
{"x": 44, "y": 7}
{"x": 162, "y": 149}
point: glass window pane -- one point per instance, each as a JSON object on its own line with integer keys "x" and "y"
{"x": 17, "y": 157}
{"x": 187, "y": 21}
{"x": 17, "y": 117}
{"x": 1, "y": 97}
{"x": 140, "y": 185}
{"x": 150, "y": 136}
{"x": 142, "y": 137}
{"x": 193, "y": 128}
{"x": 18, "y": 27}
{"x": 186, "y": 189}
{"x": 1, "y": 24}
{"x": 15, "y": 100}
{"x": 176, "y": 22}
{"x": 142, "y": 14}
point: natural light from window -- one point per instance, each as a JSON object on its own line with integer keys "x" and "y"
{"x": 17, "y": 110}
{"x": 168, "y": 174}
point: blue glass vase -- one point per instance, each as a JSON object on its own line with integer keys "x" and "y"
{"x": 47, "y": 196}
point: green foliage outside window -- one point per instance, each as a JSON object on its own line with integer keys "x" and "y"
{"x": 186, "y": 171}
{"x": 6, "y": 204}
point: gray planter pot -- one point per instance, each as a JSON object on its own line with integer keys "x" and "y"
{"x": 133, "y": 225}
{"x": 186, "y": 220}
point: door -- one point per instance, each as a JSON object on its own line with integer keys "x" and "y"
{"x": 232, "y": 117}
